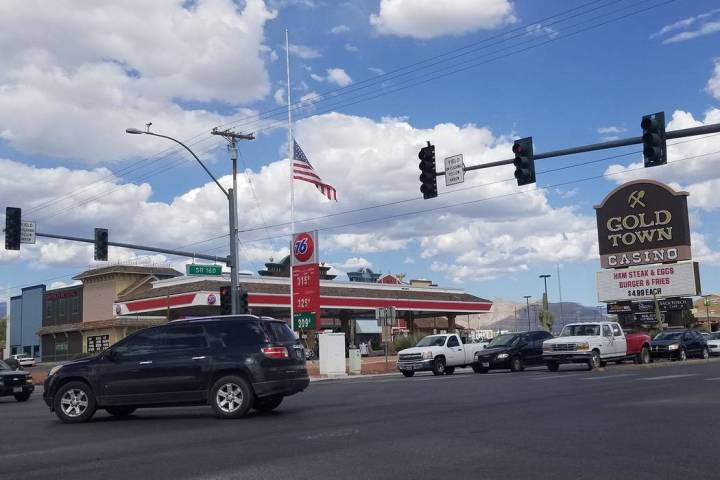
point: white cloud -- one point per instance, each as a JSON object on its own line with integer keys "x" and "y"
{"x": 366, "y": 161}
{"x": 336, "y": 30}
{"x": 317, "y": 77}
{"x": 339, "y": 77}
{"x": 713, "y": 85}
{"x": 351, "y": 48}
{"x": 304, "y": 52}
{"x": 612, "y": 129}
{"x": 539, "y": 30}
{"x": 132, "y": 63}
{"x": 280, "y": 96}
{"x": 425, "y": 19}
{"x": 355, "y": 263}
{"x": 706, "y": 27}
{"x": 377, "y": 71}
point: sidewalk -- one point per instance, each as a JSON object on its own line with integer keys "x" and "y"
{"x": 370, "y": 366}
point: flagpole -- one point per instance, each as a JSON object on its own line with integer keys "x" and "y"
{"x": 292, "y": 183}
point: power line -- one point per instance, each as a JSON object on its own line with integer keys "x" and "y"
{"x": 370, "y": 81}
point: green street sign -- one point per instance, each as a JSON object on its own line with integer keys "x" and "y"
{"x": 193, "y": 269}
{"x": 304, "y": 321}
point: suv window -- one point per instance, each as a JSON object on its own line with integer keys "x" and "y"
{"x": 616, "y": 330}
{"x": 236, "y": 333}
{"x": 453, "y": 342}
{"x": 606, "y": 331}
{"x": 183, "y": 338}
{"x": 540, "y": 336}
{"x": 280, "y": 332}
{"x": 141, "y": 343}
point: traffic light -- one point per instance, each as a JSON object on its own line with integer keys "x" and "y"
{"x": 244, "y": 306}
{"x": 101, "y": 244}
{"x": 428, "y": 177}
{"x": 654, "y": 148}
{"x": 225, "y": 301}
{"x": 524, "y": 161}
{"x": 12, "y": 228}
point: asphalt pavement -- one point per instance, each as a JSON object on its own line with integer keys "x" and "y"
{"x": 621, "y": 422}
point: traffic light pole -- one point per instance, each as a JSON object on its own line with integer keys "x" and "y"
{"x": 146, "y": 248}
{"x": 686, "y": 132}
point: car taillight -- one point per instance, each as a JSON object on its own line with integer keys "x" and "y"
{"x": 275, "y": 352}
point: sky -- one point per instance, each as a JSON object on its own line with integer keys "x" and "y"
{"x": 371, "y": 82}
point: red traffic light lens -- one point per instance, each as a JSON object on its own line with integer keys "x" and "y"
{"x": 517, "y": 148}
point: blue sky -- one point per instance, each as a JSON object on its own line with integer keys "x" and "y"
{"x": 588, "y": 74}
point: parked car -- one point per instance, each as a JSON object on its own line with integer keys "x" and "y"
{"x": 513, "y": 351}
{"x": 594, "y": 344}
{"x": 233, "y": 363}
{"x": 440, "y": 354}
{"x": 17, "y": 383}
{"x": 24, "y": 360}
{"x": 679, "y": 344}
{"x": 713, "y": 342}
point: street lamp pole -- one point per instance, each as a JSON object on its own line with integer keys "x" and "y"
{"x": 230, "y": 194}
{"x": 527, "y": 302}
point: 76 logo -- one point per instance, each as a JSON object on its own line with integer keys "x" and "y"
{"x": 301, "y": 246}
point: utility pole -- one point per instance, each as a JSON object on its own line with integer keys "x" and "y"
{"x": 527, "y": 303}
{"x": 232, "y": 138}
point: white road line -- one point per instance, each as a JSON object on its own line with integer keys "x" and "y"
{"x": 716, "y": 378}
{"x": 554, "y": 377}
{"x": 605, "y": 377}
{"x": 667, "y": 377}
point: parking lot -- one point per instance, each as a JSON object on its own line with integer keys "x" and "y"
{"x": 632, "y": 421}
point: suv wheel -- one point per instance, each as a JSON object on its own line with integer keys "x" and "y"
{"x": 479, "y": 369}
{"x": 594, "y": 361}
{"x": 553, "y": 366}
{"x": 408, "y": 373}
{"x": 683, "y": 355}
{"x": 120, "y": 411}
{"x": 705, "y": 353}
{"x": 74, "y": 402}
{"x": 438, "y": 366}
{"x": 516, "y": 364}
{"x": 231, "y": 397}
{"x": 22, "y": 397}
{"x": 267, "y": 404}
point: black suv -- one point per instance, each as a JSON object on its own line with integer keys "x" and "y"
{"x": 17, "y": 383}
{"x": 233, "y": 363}
{"x": 679, "y": 345}
{"x": 513, "y": 351}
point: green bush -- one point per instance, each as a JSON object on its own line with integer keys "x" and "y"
{"x": 403, "y": 342}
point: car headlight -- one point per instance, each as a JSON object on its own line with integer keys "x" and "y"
{"x": 502, "y": 356}
{"x": 674, "y": 346}
{"x": 54, "y": 370}
{"x": 428, "y": 355}
{"x": 29, "y": 380}
{"x": 582, "y": 346}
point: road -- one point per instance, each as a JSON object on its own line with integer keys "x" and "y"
{"x": 629, "y": 422}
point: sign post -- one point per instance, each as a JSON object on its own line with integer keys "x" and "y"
{"x": 305, "y": 282}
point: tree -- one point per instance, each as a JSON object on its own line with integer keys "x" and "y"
{"x": 545, "y": 317}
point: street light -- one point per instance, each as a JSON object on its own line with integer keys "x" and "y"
{"x": 527, "y": 302}
{"x": 232, "y": 201}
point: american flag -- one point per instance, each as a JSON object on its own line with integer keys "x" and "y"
{"x": 302, "y": 170}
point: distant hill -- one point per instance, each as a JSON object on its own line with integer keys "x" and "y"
{"x": 508, "y": 315}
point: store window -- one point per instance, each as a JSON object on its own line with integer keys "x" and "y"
{"x": 75, "y": 305}
{"x": 48, "y": 309}
{"x": 61, "y": 308}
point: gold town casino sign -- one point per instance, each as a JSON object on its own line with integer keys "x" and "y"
{"x": 643, "y": 222}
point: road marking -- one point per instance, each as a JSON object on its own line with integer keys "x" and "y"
{"x": 667, "y": 377}
{"x": 611, "y": 376}
{"x": 561, "y": 375}
{"x": 716, "y": 378}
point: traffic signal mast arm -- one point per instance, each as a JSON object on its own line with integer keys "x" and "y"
{"x": 686, "y": 132}
{"x": 138, "y": 247}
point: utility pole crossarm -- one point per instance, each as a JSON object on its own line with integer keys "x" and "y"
{"x": 624, "y": 142}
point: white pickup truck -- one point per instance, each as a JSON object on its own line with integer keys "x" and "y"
{"x": 594, "y": 344}
{"x": 440, "y": 354}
